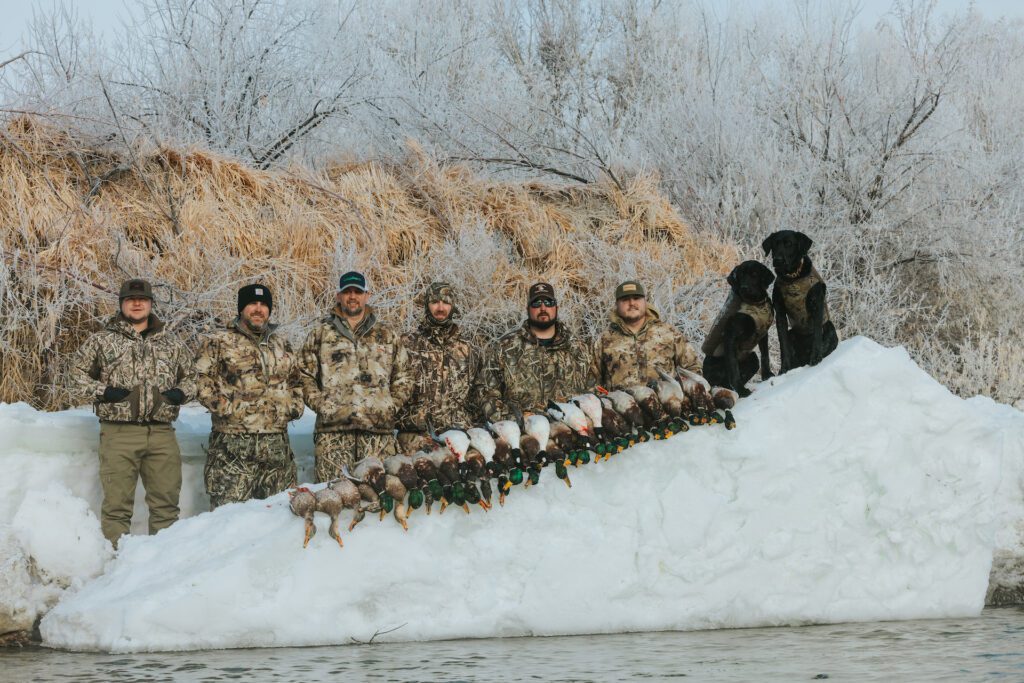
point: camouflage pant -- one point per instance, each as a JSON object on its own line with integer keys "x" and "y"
{"x": 244, "y": 466}
{"x": 332, "y": 450}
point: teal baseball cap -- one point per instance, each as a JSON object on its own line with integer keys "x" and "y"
{"x": 352, "y": 279}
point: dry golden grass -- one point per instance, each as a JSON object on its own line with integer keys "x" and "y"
{"x": 79, "y": 217}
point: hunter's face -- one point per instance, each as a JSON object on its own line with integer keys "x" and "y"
{"x": 439, "y": 310}
{"x": 256, "y": 315}
{"x": 135, "y": 309}
{"x": 353, "y": 301}
{"x": 631, "y": 308}
{"x": 543, "y": 312}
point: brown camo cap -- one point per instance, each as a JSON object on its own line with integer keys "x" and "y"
{"x": 136, "y": 287}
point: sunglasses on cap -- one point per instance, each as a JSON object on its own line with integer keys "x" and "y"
{"x": 547, "y": 303}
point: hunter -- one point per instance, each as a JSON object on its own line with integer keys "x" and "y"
{"x": 638, "y": 343}
{"x": 247, "y": 376}
{"x": 536, "y": 363}
{"x": 355, "y": 375}
{"x": 444, "y": 367}
{"x": 136, "y": 374}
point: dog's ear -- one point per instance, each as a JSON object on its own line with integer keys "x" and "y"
{"x": 769, "y": 243}
{"x": 764, "y": 274}
{"x": 804, "y": 242}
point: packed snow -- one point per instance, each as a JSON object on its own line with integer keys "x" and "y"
{"x": 857, "y": 490}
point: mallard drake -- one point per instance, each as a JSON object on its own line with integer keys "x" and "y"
{"x": 452, "y": 489}
{"x": 507, "y": 439}
{"x": 725, "y": 399}
{"x": 650, "y": 406}
{"x": 427, "y": 472}
{"x": 622, "y": 436}
{"x": 697, "y": 388}
{"x": 483, "y": 443}
{"x": 532, "y": 445}
{"x": 567, "y": 441}
{"x": 371, "y": 471}
{"x": 303, "y": 504}
{"x": 626, "y": 406}
{"x": 474, "y": 473}
{"x": 401, "y": 466}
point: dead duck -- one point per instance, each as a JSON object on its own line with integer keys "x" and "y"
{"x": 725, "y": 399}
{"x": 446, "y": 461}
{"x": 475, "y": 474}
{"x": 626, "y": 406}
{"x": 331, "y": 503}
{"x": 571, "y": 415}
{"x": 350, "y": 496}
{"x": 697, "y": 388}
{"x": 369, "y": 478}
{"x": 427, "y": 471}
{"x": 483, "y": 443}
{"x": 539, "y": 428}
{"x": 302, "y": 502}
{"x": 622, "y": 436}
{"x": 674, "y": 401}
{"x": 566, "y": 442}
{"x": 396, "y": 492}
{"x": 507, "y": 435}
{"x": 650, "y": 406}
{"x": 401, "y": 466}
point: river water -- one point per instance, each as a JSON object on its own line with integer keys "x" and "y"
{"x": 987, "y": 648}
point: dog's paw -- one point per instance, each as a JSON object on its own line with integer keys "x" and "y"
{"x": 743, "y": 392}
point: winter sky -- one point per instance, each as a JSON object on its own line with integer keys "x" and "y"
{"x": 107, "y": 14}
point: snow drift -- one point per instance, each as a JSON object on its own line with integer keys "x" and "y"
{"x": 857, "y": 490}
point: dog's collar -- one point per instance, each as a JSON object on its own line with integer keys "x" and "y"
{"x": 799, "y": 272}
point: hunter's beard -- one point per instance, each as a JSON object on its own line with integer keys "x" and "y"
{"x": 352, "y": 310}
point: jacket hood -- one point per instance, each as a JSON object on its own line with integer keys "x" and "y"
{"x": 364, "y": 326}
{"x": 118, "y": 323}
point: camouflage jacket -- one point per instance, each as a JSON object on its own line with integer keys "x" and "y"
{"x": 794, "y": 295}
{"x": 522, "y": 374}
{"x": 763, "y": 315}
{"x": 147, "y": 364}
{"x": 249, "y": 383}
{"x": 354, "y": 379}
{"x": 622, "y": 359}
{"x": 444, "y": 370}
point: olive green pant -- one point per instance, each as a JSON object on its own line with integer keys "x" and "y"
{"x": 128, "y": 451}
{"x": 334, "y": 450}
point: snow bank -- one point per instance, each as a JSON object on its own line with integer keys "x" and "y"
{"x": 857, "y": 490}
{"x": 54, "y": 544}
{"x": 40, "y": 448}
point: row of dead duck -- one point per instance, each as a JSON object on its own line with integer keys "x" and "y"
{"x": 586, "y": 428}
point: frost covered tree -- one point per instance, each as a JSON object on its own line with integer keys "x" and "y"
{"x": 895, "y": 144}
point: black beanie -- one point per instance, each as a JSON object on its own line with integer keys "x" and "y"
{"x": 250, "y": 293}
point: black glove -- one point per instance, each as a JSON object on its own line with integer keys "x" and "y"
{"x": 114, "y": 394}
{"x": 174, "y": 396}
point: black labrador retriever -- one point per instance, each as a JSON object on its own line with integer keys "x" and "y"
{"x": 743, "y": 323}
{"x": 806, "y": 334}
